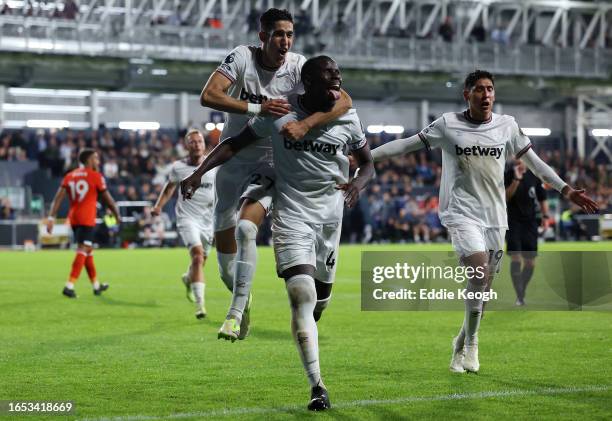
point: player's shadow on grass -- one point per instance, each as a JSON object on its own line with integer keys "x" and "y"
{"x": 115, "y": 302}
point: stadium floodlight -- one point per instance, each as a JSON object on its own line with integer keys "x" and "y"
{"x": 601, "y": 132}
{"x": 48, "y": 108}
{"x": 375, "y": 128}
{"x": 209, "y": 126}
{"x": 393, "y": 129}
{"x": 220, "y": 126}
{"x": 48, "y": 124}
{"x": 139, "y": 125}
{"x": 536, "y": 131}
{"x": 37, "y": 92}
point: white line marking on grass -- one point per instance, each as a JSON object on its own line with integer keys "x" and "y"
{"x": 359, "y": 403}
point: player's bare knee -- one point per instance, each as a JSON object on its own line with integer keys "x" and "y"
{"x": 225, "y": 241}
{"x": 324, "y": 289}
{"x": 478, "y": 267}
{"x": 252, "y": 211}
{"x": 246, "y": 231}
{"x": 197, "y": 256}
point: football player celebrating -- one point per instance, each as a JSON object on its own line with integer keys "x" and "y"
{"x": 253, "y": 81}
{"x": 475, "y": 145}
{"x": 193, "y": 218}
{"x": 82, "y": 186}
{"x": 311, "y": 187}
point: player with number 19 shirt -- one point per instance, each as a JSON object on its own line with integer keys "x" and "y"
{"x": 82, "y": 186}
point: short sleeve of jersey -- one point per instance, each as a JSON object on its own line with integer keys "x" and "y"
{"x": 261, "y": 126}
{"x": 173, "y": 176}
{"x": 358, "y": 139}
{"x": 433, "y": 134}
{"x": 519, "y": 142}
{"x": 65, "y": 181}
{"x": 100, "y": 182}
{"x": 234, "y": 64}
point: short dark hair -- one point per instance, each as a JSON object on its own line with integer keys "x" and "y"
{"x": 472, "y": 78}
{"x": 85, "y": 154}
{"x": 312, "y": 65}
{"x": 273, "y": 15}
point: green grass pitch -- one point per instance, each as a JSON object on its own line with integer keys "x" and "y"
{"x": 138, "y": 352}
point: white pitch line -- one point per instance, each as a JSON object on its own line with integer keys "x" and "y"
{"x": 359, "y": 403}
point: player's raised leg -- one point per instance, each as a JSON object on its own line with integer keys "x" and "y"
{"x": 236, "y": 325}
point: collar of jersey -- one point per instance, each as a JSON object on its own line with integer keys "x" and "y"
{"x": 469, "y": 118}
{"x": 261, "y": 64}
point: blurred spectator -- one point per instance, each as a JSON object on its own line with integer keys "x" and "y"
{"x": 71, "y": 10}
{"x": 253, "y": 20}
{"x": 6, "y": 211}
{"x": 500, "y": 36}
{"x": 446, "y": 30}
{"x": 479, "y": 33}
{"x": 152, "y": 228}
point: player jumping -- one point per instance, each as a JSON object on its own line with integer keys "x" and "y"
{"x": 308, "y": 205}
{"x": 475, "y": 145}
{"x": 82, "y": 186}
{"x": 253, "y": 81}
{"x": 193, "y": 218}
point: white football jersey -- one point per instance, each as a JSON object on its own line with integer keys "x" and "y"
{"x": 200, "y": 207}
{"x": 473, "y": 161}
{"x": 308, "y": 170}
{"x": 254, "y": 83}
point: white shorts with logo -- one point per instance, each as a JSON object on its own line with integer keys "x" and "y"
{"x": 194, "y": 233}
{"x": 237, "y": 180}
{"x": 469, "y": 239}
{"x": 304, "y": 243}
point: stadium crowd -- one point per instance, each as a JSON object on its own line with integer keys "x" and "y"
{"x": 400, "y": 205}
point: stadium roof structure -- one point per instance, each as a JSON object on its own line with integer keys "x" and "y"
{"x": 534, "y": 37}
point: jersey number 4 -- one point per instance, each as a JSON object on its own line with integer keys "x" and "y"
{"x": 78, "y": 190}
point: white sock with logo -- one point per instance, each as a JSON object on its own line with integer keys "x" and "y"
{"x": 226, "y": 268}
{"x": 302, "y": 298}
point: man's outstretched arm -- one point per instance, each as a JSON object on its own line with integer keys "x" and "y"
{"x": 398, "y": 147}
{"x": 222, "y": 153}
{"x": 295, "y": 130}
{"x": 543, "y": 171}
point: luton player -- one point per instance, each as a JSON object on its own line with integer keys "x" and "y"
{"x": 475, "y": 145}
{"x": 193, "y": 217}
{"x": 82, "y": 186}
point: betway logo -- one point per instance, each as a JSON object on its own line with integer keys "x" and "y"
{"x": 310, "y": 146}
{"x": 479, "y": 151}
{"x": 252, "y": 98}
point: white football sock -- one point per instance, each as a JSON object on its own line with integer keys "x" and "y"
{"x": 302, "y": 298}
{"x": 198, "y": 292}
{"x": 96, "y": 285}
{"x": 244, "y": 270}
{"x": 473, "y": 313}
{"x": 322, "y": 304}
{"x": 69, "y": 285}
{"x": 226, "y": 268}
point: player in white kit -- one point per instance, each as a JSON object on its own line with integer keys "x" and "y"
{"x": 253, "y": 81}
{"x": 311, "y": 188}
{"x": 193, "y": 217}
{"x": 475, "y": 146}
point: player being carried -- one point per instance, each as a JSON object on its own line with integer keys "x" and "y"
{"x": 475, "y": 145}
{"x": 307, "y": 211}
{"x": 82, "y": 186}
{"x": 193, "y": 218}
{"x": 253, "y": 81}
